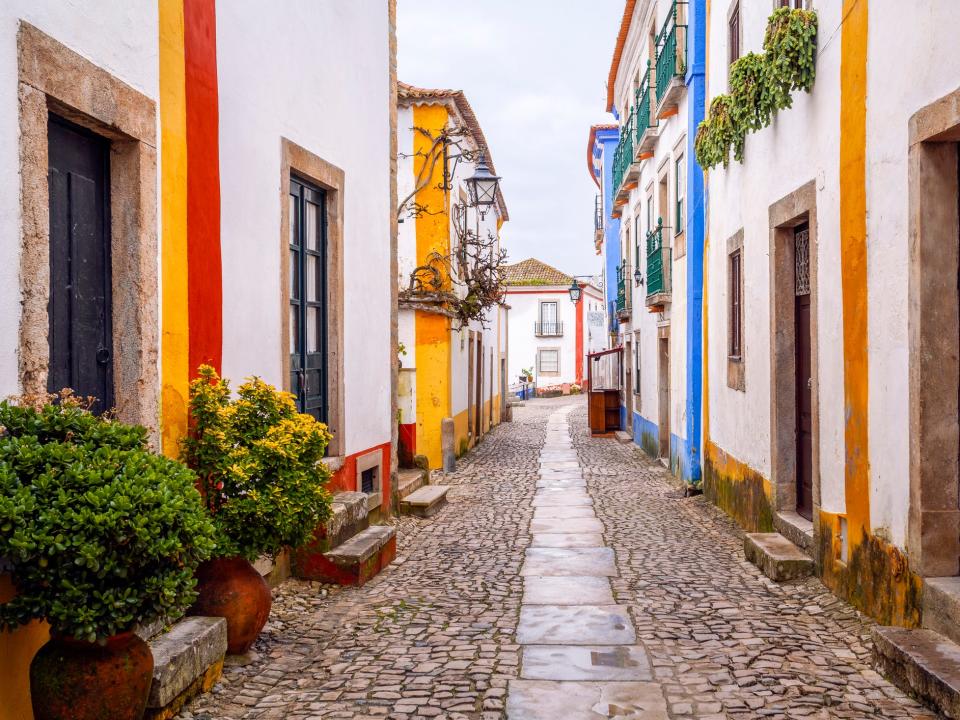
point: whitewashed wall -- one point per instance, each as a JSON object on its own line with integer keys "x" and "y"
{"x": 92, "y": 29}
{"x": 318, "y": 74}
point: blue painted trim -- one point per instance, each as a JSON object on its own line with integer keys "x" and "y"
{"x": 690, "y": 464}
{"x": 680, "y": 457}
{"x": 611, "y": 240}
{"x": 641, "y": 427}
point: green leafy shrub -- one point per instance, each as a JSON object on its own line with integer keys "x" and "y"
{"x": 259, "y": 464}
{"x": 101, "y": 534}
{"x": 760, "y": 85}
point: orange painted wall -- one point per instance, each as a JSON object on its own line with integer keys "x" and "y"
{"x": 17, "y": 649}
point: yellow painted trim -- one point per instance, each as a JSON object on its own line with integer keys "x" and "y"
{"x": 853, "y": 263}
{"x": 432, "y": 332}
{"x": 175, "y": 338}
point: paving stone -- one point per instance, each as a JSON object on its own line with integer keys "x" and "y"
{"x": 564, "y": 525}
{"x": 582, "y": 562}
{"x": 539, "y": 590}
{"x": 575, "y": 624}
{"x": 586, "y": 662}
{"x": 545, "y": 700}
{"x": 567, "y": 540}
{"x": 570, "y": 497}
{"x": 553, "y": 512}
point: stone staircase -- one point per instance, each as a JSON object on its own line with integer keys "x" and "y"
{"x": 347, "y": 550}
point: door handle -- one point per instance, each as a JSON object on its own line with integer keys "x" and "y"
{"x": 103, "y": 355}
{"x": 810, "y": 383}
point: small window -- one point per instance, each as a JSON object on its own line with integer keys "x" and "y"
{"x": 368, "y": 480}
{"x": 548, "y": 312}
{"x": 736, "y": 305}
{"x": 549, "y": 361}
{"x": 733, "y": 34}
{"x": 681, "y": 190}
{"x": 636, "y": 366}
{"x": 795, "y": 4}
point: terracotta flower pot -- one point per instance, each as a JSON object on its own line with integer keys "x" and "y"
{"x": 231, "y": 588}
{"x": 79, "y": 680}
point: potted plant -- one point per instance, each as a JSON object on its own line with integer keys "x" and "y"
{"x": 101, "y": 536}
{"x": 264, "y": 486}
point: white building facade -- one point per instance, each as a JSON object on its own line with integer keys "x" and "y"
{"x": 550, "y": 336}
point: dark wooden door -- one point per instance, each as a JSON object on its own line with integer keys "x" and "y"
{"x": 663, "y": 371}
{"x": 308, "y": 298}
{"x": 478, "y": 406}
{"x": 80, "y": 333}
{"x": 804, "y": 372}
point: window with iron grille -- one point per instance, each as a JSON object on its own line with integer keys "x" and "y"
{"x": 368, "y": 481}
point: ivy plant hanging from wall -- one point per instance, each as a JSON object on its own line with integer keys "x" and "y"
{"x": 760, "y": 85}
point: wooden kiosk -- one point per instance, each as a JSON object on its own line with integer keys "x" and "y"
{"x": 604, "y": 385}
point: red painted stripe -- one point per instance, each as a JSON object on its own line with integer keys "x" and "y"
{"x": 204, "y": 270}
{"x": 580, "y": 310}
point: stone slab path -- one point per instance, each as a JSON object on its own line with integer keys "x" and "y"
{"x": 565, "y": 579}
{"x": 579, "y": 657}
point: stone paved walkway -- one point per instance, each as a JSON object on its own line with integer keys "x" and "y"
{"x": 636, "y": 599}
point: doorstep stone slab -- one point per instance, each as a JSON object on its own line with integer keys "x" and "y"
{"x": 570, "y": 498}
{"x": 549, "y": 700}
{"x": 185, "y": 654}
{"x": 580, "y": 562}
{"x": 623, "y": 663}
{"x": 575, "y": 625}
{"x": 425, "y": 502}
{"x": 922, "y": 663}
{"x": 778, "y": 558}
{"x": 552, "y": 590}
{"x": 567, "y": 540}
{"x": 363, "y": 546}
{"x": 566, "y": 525}
{"x": 563, "y": 511}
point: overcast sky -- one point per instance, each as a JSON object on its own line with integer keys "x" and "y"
{"x": 535, "y": 73}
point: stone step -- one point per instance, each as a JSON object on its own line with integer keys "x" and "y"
{"x": 941, "y": 606}
{"x": 349, "y": 516}
{"x": 363, "y": 556}
{"x": 425, "y": 502}
{"x": 778, "y": 558}
{"x": 187, "y": 661}
{"x": 922, "y": 663}
{"x": 409, "y": 481}
{"x": 623, "y": 437}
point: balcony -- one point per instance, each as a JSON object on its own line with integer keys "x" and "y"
{"x": 548, "y": 329}
{"x": 647, "y": 125}
{"x": 623, "y": 292}
{"x": 671, "y": 45}
{"x": 623, "y": 171}
{"x": 658, "y": 268}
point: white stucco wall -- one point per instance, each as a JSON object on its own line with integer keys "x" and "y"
{"x": 92, "y": 29}
{"x": 924, "y": 67}
{"x": 318, "y": 74}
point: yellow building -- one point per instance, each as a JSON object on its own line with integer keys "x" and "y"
{"x": 453, "y": 357}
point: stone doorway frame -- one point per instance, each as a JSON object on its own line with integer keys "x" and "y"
{"x": 52, "y": 78}
{"x": 297, "y": 161}
{"x": 796, "y": 208}
{"x": 933, "y": 526}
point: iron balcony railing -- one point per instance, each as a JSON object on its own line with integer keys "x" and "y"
{"x": 644, "y": 118}
{"x": 623, "y": 156}
{"x": 548, "y": 329}
{"x": 658, "y": 262}
{"x": 622, "y": 287}
{"x": 598, "y": 213}
{"x": 672, "y": 47}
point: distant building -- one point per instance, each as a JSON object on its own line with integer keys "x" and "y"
{"x": 549, "y": 335}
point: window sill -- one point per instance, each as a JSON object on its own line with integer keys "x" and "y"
{"x": 334, "y": 463}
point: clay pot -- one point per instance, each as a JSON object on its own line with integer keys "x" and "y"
{"x": 231, "y": 588}
{"x": 79, "y": 680}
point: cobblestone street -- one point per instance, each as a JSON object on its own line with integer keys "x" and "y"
{"x": 436, "y": 634}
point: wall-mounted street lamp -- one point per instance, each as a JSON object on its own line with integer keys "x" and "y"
{"x": 637, "y": 277}
{"x": 576, "y": 290}
{"x": 482, "y": 185}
